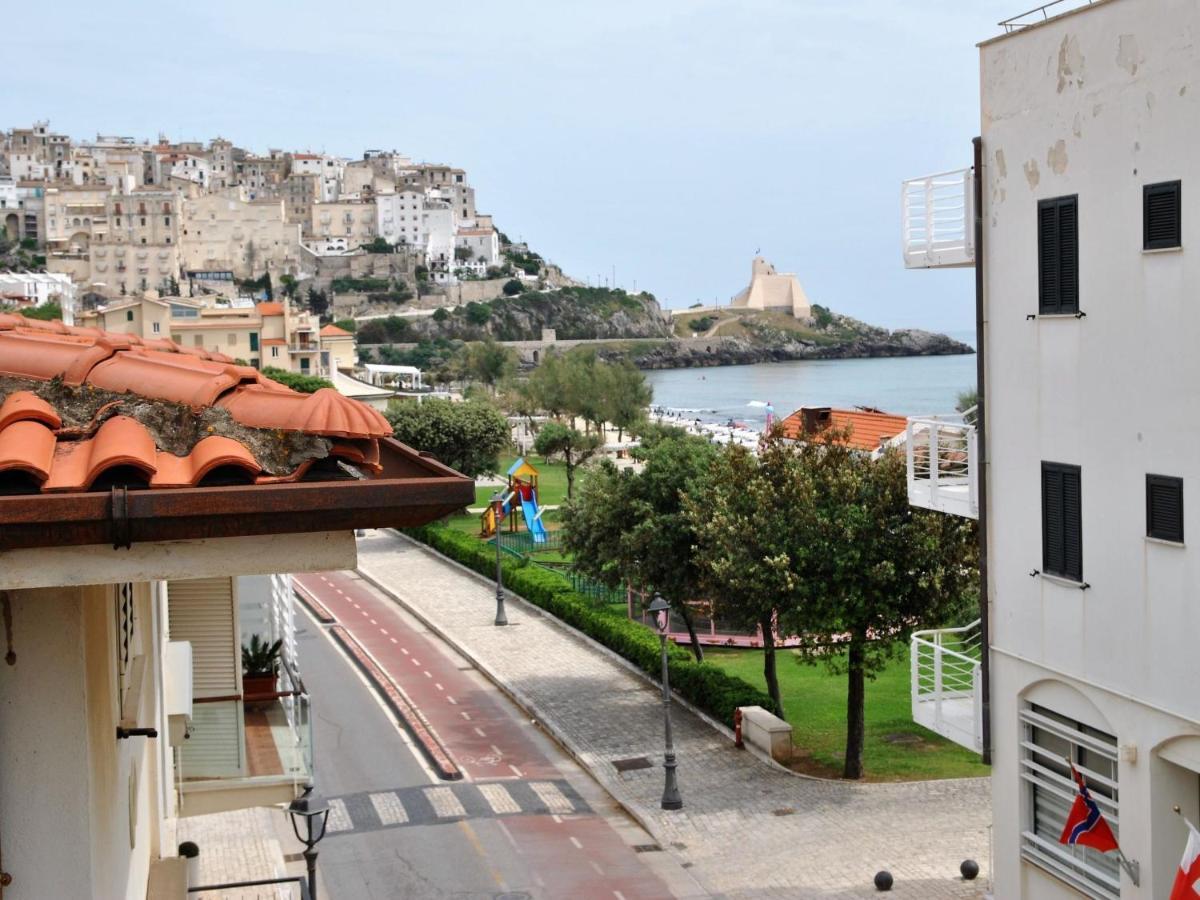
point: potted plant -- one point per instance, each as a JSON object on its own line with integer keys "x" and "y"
{"x": 260, "y": 667}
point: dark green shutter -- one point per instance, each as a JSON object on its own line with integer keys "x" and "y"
{"x": 1058, "y": 256}
{"x": 1062, "y": 523}
{"x": 1164, "y": 507}
{"x": 1047, "y": 257}
{"x": 1162, "y": 218}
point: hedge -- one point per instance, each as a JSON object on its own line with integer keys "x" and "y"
{"x": 704, "y": 685}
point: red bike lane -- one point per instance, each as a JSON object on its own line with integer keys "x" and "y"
{"x": 570, "y": 855}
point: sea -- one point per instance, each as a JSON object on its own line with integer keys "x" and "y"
{"x": 911, "y": 385}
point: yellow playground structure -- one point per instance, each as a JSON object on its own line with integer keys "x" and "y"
{"x": 520, "y": 496}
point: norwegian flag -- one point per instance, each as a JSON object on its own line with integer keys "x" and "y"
{"x": 1086, "y": 826}
{"x": 1187, "y": 879}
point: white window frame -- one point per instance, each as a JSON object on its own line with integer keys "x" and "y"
{"x": 1047, "y": 738}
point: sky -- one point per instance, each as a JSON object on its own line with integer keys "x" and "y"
{"x": 660, "y": 141}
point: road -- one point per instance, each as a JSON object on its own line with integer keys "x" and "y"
{"x": 525, "y": 820}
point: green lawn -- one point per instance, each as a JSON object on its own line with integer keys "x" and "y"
{"x": 552, "y": 481}
{"x": 815, "y": 705}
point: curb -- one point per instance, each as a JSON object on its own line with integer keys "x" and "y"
{"x": 410, "y": 717}
{"x": 314, "y": 606}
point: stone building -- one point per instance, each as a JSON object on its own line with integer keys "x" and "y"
{"x": 770, "y": 290}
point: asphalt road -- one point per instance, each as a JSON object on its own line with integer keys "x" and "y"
{"x": 525, "y": 821}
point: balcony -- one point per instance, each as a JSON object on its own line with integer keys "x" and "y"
{"x": 938, "y": 220}
{"x": 946, "y": 684}
{"x": 246, "y": 750}
{"x": 942, "y": 454}
{"x": 304, "y": 347}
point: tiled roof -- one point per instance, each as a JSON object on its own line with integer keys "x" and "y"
{"x": 334, "y": 331}
{"x": 81, "y": 409}
{"x": 867, "y": 430}
{"x": 270, "y": 309}
{"x": 278, "y": 342}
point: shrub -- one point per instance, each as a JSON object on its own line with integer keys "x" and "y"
{"x": 360, "y": 285}
{"x": 383, "y": 331}
{"x": 305, "y": 384}
{"x": 440, "y": 314}
{"x": 478, "y": 313}
{"x": 347, "y": 325}
{"x": 701, "y": 324}
{"x": 703, "y": 684}
{"x": 512, "y": 287}
{"x": 822, "y": 317}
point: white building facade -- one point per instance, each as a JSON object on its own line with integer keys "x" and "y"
{"x": 1089, "y": 197}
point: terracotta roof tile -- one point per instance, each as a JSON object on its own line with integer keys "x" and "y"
{"x": 867, "y": 429}
{"x": 269, "y": 309}
{"x": 22, "y": 406}
{"x": 36, "y": 446}
{"x": 274, "y": 342}
{"x": 333, "y": 331}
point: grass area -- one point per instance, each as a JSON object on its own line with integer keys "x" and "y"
{"x": 552, "y": 481}
{"x": 815, "y": 703}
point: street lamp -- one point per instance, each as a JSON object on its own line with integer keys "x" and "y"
{"x": 315, "y": 813}
{"x": 661, "y": 611}
{"x": 497, "y": 515}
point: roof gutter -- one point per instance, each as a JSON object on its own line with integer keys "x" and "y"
{"x": 414, "y": 490}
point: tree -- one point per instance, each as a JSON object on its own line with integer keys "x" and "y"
{"x": 967, "y": 401}
{"x": 512, "y": 287}
{"x": 318, "y": 302}
{"x": 575, "y": 448}
{"x": 377, "y": 245}
{"x": 440, "y": 315}
{"x": 349, "y": 325}
{"x": 488, "y": 363}
{"x": 463, "y": 254}
{"x": 548, "y": 387}
{"x": 268, "y": 288}
{"x": 626, "y": 396}
{"x": 884, "y": 568}
{"x": 746, "y": 517}
{"x": 478, "y": 313}
{"x": 288, "y": 286}
{"x": 468, "y": 437}
{"x": 628, "y": 526}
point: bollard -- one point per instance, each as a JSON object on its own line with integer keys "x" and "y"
{"x": 883, "y": 880}
{"x": 189, "y": 851}
{"x": 737, "y": 729}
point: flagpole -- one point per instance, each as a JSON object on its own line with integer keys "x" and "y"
{"x": 1179, "y": 813}
{"x": 1132, "y": 867}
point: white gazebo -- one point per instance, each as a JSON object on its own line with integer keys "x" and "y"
{"x": 404, "y": 377}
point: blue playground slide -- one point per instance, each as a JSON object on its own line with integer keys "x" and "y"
{"x": 532, "y": 521}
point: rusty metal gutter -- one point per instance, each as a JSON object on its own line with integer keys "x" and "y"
{"x": 413, "y": 490}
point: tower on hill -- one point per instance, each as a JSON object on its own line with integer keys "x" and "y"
{"x": 770, "y": 290}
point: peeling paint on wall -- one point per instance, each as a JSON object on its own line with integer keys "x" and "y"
{"x": 1128, "y": 55}
{"x": 1077, "y": 126}
{"x": 1056, "y": 157}
{"x": 1001, "y": 166}
{"x": 1070, "y": 63}
{"x": 1032, "y": 175}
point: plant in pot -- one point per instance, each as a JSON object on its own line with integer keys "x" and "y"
{"x": 260, "y": 667}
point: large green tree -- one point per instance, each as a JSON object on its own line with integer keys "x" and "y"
{"x": 468, "y": 437}
{"x": 558, "y": 440}
{"x": 488, "y": 362}
{"x": 631, "y": 526}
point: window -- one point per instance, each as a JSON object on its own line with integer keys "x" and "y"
{"x": 157, "y": 327}
{"x": 304, "y": 364}
{"x": 231, "y": 339}
{"x": 129, "y": 315}
{"x": 1162, "y": 225}
{"x": 275, "y": 350}
{"x": 1164, "y": 508}
{"x": 1058, "y": 256}
{"x": 1048, "y": 741}
{"x": 253, "y": 341}
{"x": 1062, "y": 525}
{"x": 197, "y": 340}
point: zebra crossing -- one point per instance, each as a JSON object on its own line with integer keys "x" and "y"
{"x": 429, "y": 805}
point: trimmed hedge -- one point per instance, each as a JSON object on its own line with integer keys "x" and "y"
{"x": 703, "y": 684}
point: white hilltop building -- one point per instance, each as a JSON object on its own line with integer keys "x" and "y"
{"x": 769, "y": 289}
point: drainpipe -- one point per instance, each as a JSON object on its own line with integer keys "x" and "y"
{"x": 981, "y": 460}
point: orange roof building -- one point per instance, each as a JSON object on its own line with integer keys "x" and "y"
{"x": 867, "y": 430}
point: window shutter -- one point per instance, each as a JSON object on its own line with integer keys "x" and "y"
{"x": 1062, "y": 521}
{"x": 1162, "y": 215}
{"x": 1068, "y": 255}
{"x": 200, "y": 610}
{"x": 1164, "y": 507}
{"x": 1047, "y": 257}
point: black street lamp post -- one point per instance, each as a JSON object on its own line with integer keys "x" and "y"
{"x": 661, "y": 610}
{"x": 315, "y": 813}
{"x": 497, "y": 514}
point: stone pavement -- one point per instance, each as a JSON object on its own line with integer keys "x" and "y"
{"x": 241, "y": 845}
{"x": 748, "y": 828}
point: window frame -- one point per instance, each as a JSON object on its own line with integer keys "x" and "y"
{"x": 1162, "y": 187}
{"x": 1161, "y": 534}
{"x": 1056, "y": 306}
{"x": 1064, "y": 469}
{"x": 1048, "y": 787}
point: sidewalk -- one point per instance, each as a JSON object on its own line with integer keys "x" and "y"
{"x": 747, "y": 828}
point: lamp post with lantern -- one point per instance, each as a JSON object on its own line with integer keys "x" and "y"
{"x": 497, "y": 515}
{"x": 661, "y": 610}
{"x": 313, "y": 812}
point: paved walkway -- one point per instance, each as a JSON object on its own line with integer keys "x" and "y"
{"x": 748, "y": 828}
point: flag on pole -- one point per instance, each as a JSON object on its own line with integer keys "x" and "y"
{"x": 1187, "y": 879}
{"x": 1085, "y": 825}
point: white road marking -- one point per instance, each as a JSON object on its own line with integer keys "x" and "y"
{"x": 479, "y": 731}
{"x": 438, "y": 686}
{"x": 455, "y": 702}
{"x": 389, "y": 808}
{"x": 364, "y": 612}
{"x": 618, "y": 895}
{"x": 554, "y": 799}
{"x": 383, "y": 631}
{"x": 339, "y": 819}
{"x": 340, "y": 591}
{"x": 373, "y": 622}
{"x": 393, "y": 640}
{"x": 515, "y": 770}
{"x": 427, "y": 675}
{"x": 415, "y": 661}
{"x": 575, "y": 842}
{"x": 497, "y": 750}
{"x": 404, "y": 650}
{"x": 444, "y": 803}
{"x": 499, "y": 799}
{"x": 596, "y": 866}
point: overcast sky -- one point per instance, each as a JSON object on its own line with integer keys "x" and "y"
{"x": 669, "y": 139}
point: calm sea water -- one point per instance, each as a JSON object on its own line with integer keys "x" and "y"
{"x": 918, "y": 385}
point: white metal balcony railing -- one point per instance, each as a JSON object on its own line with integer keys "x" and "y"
{"x": 938, "y": 220}
{"x": 947, "y": 690}
{"x": 942, "y": 454}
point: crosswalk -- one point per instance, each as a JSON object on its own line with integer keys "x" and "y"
{"x": 370, "y": 811}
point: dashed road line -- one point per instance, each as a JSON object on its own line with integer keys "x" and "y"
{"x": 575, "y": 843}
